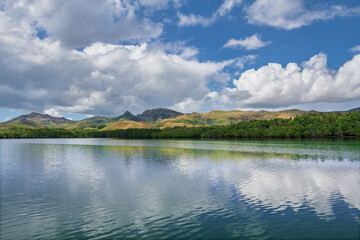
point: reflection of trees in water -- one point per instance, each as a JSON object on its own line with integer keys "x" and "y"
{"x": 141, "y": 188}
{"x": 274, "y": 179}
{"x": 164, "y": 154}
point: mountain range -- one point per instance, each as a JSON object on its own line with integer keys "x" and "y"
{"x": 154, "y": 118}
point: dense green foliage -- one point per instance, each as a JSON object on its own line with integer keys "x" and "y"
{"x": 158, "y": 113}
{"x": 147, "y": 116}
{"x": 127, "y": 116}
{"x": 42, "y": 119}
{"x": 308, "y": 125}
{"x": 40, "y": 133}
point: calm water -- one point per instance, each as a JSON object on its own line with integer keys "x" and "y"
{"x": 179, "y": 189}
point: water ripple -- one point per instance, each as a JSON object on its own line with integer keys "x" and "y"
{"x": 96, "y": 189}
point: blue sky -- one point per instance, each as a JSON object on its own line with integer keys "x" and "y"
{"x": 82, "y": 58}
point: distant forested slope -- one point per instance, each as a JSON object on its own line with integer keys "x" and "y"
{"x": 334, "y": 124}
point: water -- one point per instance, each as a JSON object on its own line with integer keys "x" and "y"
{"x": 179, "y": 189}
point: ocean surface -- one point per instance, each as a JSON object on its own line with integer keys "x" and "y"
{"x": 179, "y": 189}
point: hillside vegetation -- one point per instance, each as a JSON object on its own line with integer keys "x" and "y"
{"x": 149, "y": 116}
{"x": 159, "y": 118}
{"x": 155, "y": 118}
{"x": 23, "y": 124}
{"x": 127, "y": 124}
{"x": 217, "y": 117}
{"x": 307, "y": 125}
{"x": 38, "y": 118}
{"x": 158, "y": 114}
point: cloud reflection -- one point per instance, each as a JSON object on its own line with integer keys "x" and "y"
{"x": 86, "y": 188}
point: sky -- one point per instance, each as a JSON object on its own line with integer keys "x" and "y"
{"x": 83, "y": 58}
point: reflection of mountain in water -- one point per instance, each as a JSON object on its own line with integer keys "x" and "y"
{"x": 220, "y": 154}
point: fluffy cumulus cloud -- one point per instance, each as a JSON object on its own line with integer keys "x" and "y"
{"x": 291, "y": 14}
{"x": 249, "y": 43}
{"x": 138, "y": 76}
{"x": 192, "y": 19}
{"x": 52, "y": 112}
{"x": 40, "y": 70}
{"x": 104, "y": 78}
{"x": 276, "y": 86}
{"x": 79, "y": 23}
{"x": 46, "y": 74}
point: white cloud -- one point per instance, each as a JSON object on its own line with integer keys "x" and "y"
{"x": 158, "y": 4}
{"x": 192, "y": 20}
{"x": 109, "y": 78}
{"x": 226, "y": 7}
{"x": 249, "y": 43}
{"x": 276, "y": 86}
{"x": 356, "y": 48}
{"x": 188, "y": 105}
{"x": 240, "y": 61}
{"x": 291, "y": 14}
{"x": 77, "y": 26}
{"x": 104, "y": 79}
{"x": 53, "y": 112}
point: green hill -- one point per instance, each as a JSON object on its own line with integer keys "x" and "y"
{"x": 157, "y": 114}
{"x": 95, "y": 122}
{"x": 217, "y": 117}
{"x": 23, "y": 124}
{"x": 155, "y": 118}
{"x": 126, "y": 124}
{"x": 126, "y": 116}
{"x": 354, "y": 110}
{"x": 42, "y": 119}
{"x": 94, "y": 118}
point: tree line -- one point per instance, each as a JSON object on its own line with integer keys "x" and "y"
{"x": 307, "y": 125}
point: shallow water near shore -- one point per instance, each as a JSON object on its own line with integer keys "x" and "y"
{"x": 179, "y": 189}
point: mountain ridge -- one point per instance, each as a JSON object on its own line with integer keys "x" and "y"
{"x": 153, "y": 118}
{"x": 155, "y": 114}
{"x": 126, "y": 116}
{"x": 39, "y": 118}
